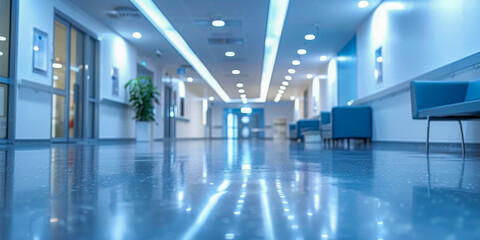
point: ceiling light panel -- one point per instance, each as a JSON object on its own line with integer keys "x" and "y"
{"x": 156, "y": 17}
{"x": 277, "y": 12}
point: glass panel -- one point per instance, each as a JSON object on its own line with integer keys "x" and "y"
{"x": 76, "y": 79}
{"x": 60, "y": 55}
{"x": 3, "y": 110}
{"x": 4, "y": 37}
{"x": 58, "y": 116}
{"x": 90, "y": 68}
{"x": 91, "y": 120}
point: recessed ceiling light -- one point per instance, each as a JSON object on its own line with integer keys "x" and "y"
{"x": 2, "y": 38}
{"x": 1, "y": 53}
{"x": 380, "y": 59}
{"x": 244, "y": 101}
{"x": 309, "y": 37}
{"x": 235, "y": 72}
{"x": 296, "y": 62}
{"x": 218, "y": 23}
{"x": 309, "y": 76}
{"x": 230, "y": 54}
{"x": 239, "y": 85}
{"x": 276, "y": 100}
{"x": 323, "y": 58}
{"x": 291, "y": 71}
{"x": 301, "y": 51}
{"x": 285, "y": 83}
{"x": 189, "y": 79}
{"x": 283, "y": 87}
{"x": 36, "y": 49}
{"x": 57, "y": 65}
{"x": 288, "y": 78}
{"x": 292, "y": 98}
{"x": 363, "y": 4}
{"x": 137, "y": 35}
{"x": 211, "y": 99}
{"x": 281, "y": 91}
{"x": 243, "y": 95}
{"x": 241, "y": 90}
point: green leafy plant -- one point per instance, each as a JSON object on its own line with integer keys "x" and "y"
{"x": 143, "y": 94}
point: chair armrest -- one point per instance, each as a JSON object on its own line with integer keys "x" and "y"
{"x": 352, "y": 122}
{"x": 428, "y": 94}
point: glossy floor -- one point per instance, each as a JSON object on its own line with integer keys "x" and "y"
{"x": 237, "y": 190}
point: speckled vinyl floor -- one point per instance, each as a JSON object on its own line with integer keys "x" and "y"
{"x": 237, "y": 190}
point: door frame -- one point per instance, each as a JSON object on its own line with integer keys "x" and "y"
{"x": 85, "y": 99}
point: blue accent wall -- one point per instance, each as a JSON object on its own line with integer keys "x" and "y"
{"x": 347, "y": 72}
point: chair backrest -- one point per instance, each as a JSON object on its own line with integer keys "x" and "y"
{"x": 325, "y": 117}
{"x": 473, "y": 91}
{"x": 427, "y": 94}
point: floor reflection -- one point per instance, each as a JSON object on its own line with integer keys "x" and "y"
{"x": 236, "y": 190}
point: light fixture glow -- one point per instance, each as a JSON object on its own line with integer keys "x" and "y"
{"x": 161, "y": 23}
{"x": 277, "y": 12}
{"x": 230, "y": 54}
{"x": 309, "y": 37}
{"x": 323, "y": 58}
{"x": 309, "y": 76}
{"x": 380, "y": 59}
{"x": 235, "y": 72}
{"x": 292, "y": 98}
{"x": 291, "y": 71}
{"x": 244, "y": 101}
{"x": 285, "y": 83}
{"x": 301, "y": 51}
{"x": 1, "y": 53}
{"x": 281, "y": 91}
{"x": 246, "y": 110}
{"x": 3, "y": 39}
{"x": 211, "y": 99}
{"x": 36, "y": 48}
{"x": 288, "y": 78}
{"x": 323, "y": 76}
{"x": 57, "y": 65}
{"x": 283, "y": 88}
{"x": 363, "y": 4}
{"x": 137, "y": 35}
{"x": 296, "y": 62}
{"x": 243, "y": 95}
{"x": 276, "y": 100}
{"x": 189, "y": 79}
{"x": 218, "y": 23}
{"x": 239, "y": 85}
{"x": 241, "y": 90}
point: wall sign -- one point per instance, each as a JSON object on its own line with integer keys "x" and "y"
{"x": 115, "y": 90}
{"x": 40, "y": 51}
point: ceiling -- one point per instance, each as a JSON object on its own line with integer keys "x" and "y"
{"x": 334, "y": 23}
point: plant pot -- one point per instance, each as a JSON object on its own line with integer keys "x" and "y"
{"x": 143, "y": 131}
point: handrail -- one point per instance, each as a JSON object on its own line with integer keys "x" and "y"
{"x": 38, "y": 87}
{"x": 449, "y": 70}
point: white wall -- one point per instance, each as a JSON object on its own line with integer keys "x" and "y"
{"x": 283, "y": 109}
{"x": 114, "y": 119}
{"x": 194, "y": 128}
{"x": 416, "y": 37}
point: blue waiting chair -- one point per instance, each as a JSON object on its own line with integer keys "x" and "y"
{"x": 307, "y": 125}
{"x": 445, "y": 101}
{"x": 347, "y": 123}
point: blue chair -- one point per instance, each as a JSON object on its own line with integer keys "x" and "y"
{"x": 445, "y": 101}
{"x": 292, "y": 127}
{"x": 307, "y": 125}
{"x": 347, "y": 123}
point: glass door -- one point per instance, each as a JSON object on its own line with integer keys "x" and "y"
{"x": 74, "y": 102}
{"x": 5, "y": 67}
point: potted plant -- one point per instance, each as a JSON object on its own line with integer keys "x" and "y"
{"x": 143, "y": 96}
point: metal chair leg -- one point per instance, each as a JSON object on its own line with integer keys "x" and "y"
{"x": 428, "y": 135}
{"x": 463, "y": 139}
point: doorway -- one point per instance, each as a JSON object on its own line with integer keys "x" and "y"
{"x": 170, "y": 112}
{"x": 244, "y": 125}
{"x": 74, "y": 101}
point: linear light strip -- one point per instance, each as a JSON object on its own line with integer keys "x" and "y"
{"x": 161, "y": 23}
{"x": 277, "y": 13}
